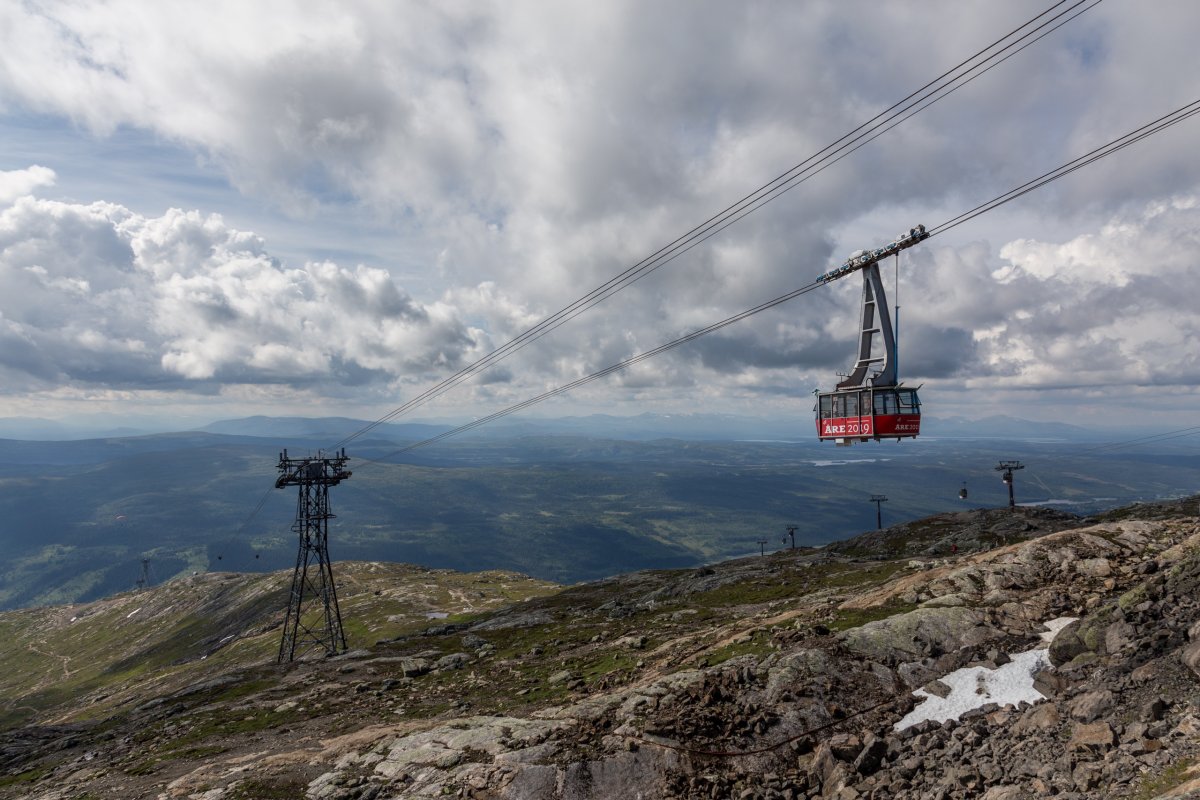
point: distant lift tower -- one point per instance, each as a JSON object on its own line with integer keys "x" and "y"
{"x": 145, "y": 579}
{"x": 877, "y": 499}
{"x": 313, "y": 617}
{"x": 1008, "y": 467}
{"x": 791, "y": 531}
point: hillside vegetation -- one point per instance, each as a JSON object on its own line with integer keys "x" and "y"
{"x": 780, "y": 676}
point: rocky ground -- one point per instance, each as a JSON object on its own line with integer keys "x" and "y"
{"x": 776, "y": 677}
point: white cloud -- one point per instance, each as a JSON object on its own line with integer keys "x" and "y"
{"x": 98, "y": 295}
{"x": 19, "y": 182}
{"x": 540, "y": 150}
{"x": 95, "y": 295}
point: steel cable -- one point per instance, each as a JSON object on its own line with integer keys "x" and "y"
{"x": 753, "y": 201}
{"x": 1116, "y": 145}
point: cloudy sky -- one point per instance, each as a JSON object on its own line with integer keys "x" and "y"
{"x": 225, "y": 208}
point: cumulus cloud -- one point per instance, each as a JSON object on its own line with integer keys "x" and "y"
{"x": 538, "y": 150}
{"x": 98, "y": 296}
{"x": 1108, "y": 307}
{"x": 95, "y": 294}
{"x": 19, "y": 182}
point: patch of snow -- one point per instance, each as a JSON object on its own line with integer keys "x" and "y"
{"x": 131, "y": 613}
{"x": 973, "y": 687}
{"x": 1054, "y": 627}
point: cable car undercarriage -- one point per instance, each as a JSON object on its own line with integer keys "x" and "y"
{"x": 870, "y": 402}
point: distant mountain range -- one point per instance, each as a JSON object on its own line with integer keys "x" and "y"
{"x": 642, "y": 427}
{"x": 565, "y": 500}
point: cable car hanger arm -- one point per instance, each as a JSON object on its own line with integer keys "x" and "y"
{"x": 861, "y": 259}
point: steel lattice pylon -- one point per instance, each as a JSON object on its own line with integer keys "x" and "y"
{"x": 313, "y": 617}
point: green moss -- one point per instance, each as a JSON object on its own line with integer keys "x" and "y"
{"x": 144, "y": 767}
{"x": 1172, "y": 776}
{"x": 610, "y": 663}
{"x": 759, "y": 645}
{"x": 27, "y": 777}
{"x": 848, "y": 618}
{"x": 1133, "y": 597}
{"x": 259, "y": 789}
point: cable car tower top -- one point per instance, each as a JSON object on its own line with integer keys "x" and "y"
{"x": 861, "y": 259}
{"x": 869, "y": 403}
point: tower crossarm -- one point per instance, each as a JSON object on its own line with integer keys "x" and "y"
{"x": 860, "y": 259}
{"x": 316, "y": 470}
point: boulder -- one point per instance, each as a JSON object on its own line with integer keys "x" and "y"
{"x": 871, "y": 756}
{"x": 1094, "y": 736}
{"x": 1040, "y": 718}
{"x": 1093, "y": 567}
{"x": 1090, "y": 706}
{"x": 453, "y": 661}
{"x": 1068, "y": 644}
{"x": 415, "y": 667}
{"x": 923, "y": 632}
{"x": 796, "y": 670}
{"x": 1190, "y": 656}
{"x": 845, "y": 746}
{"x": 1118, "y": 636}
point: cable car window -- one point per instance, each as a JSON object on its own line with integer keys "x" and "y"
{"x": 884, "y": 403}
{"x": 826, "y": 407}
{"x": 852, "y": 404}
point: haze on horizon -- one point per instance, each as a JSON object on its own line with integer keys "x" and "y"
{"x": 219, "y": 211}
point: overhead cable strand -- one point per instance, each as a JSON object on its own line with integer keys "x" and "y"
{"x": 1138, "y": 134}
{"x": 707, "y": 231}
{"x": 784, "y": 189}
{"x": 629, "y": 362}
{"x": 1101, "y": 152}
{"x": 750, "y": 202}
{"x": 779, "y": 191}
{"x": 262, "y": 501}
{"x": 1153, "y": 438}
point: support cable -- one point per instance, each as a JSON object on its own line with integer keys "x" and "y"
{"x": 775, "y": 746}
{"x": 806, "y": 169}
{"x": 1151, "y": 439}
{"x": 1116, "y": 145}
{"x": 629, "y": 362}
{"x": 1138, "y": 134}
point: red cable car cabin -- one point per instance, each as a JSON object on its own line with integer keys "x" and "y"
{"x": 869, "y": 413}
{"x": 870, "y": 403}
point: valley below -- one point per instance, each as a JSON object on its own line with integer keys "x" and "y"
{"x": 562, "y": 503}
{"x": 1066, "y": 648}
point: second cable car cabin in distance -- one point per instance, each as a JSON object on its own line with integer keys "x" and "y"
{"x": 871, "y": 406}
